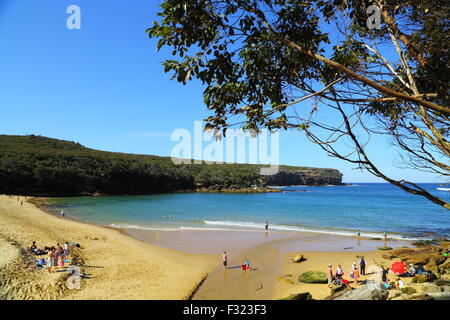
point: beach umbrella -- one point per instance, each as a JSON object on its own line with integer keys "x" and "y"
{"x": 398, "y": 267}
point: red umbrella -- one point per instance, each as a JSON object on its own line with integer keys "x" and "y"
{"x": 398, "y": 267}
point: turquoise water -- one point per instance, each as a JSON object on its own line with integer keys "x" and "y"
{"x": 371, "y": 208}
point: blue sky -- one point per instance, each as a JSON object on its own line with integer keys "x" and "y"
{"x": 103, "y": 86}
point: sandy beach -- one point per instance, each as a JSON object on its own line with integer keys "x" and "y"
{"x": 115, "y": 266}
{"x": 274, "y": 275}
{"x": 137, "y": 264}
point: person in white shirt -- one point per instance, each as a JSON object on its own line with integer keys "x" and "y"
{"x": 400, "y": 284}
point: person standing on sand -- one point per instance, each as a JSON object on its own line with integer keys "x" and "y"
{"x": 385, "y": 235}
{"x": 339, "y": 272}
{"x": 356, "y": 276}
{"x": 384, "y": 275}
{"x": 62, "y": 213}
{"x": 352, "y": 270}
{"x": 330, "y": 275}
{"x": 266, "y": 226}
{"x": 56, "y": 255}
{"x": 362, "y": 266}
{"x": 224, "y": 259}
{"x": 49, "y": 260}
{"x": 66, "y": 250}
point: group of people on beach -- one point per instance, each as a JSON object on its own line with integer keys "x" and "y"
{"x": 337, "y": 278}
{"x": 18, "y": 199}
{"x": 57, "y": 255}
{"x": 245, "y": 265}
{"x": 385, "y": 234}
{"x": 411, "y": 271}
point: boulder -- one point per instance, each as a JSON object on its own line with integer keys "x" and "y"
{"x": 402, "y": 251}
{"x": 338, "y": 291}
{"x": 416, "y": 297}
{"x": 439, "y": 295}
{"x": 393, "y": 294}
{"x": 408, "y": 290}
{"x": 336, "y": 288}
{"x": 313, "y": 277}
{"x": 436, "y": 260}
{"x": 298, "y": 259}
{"x": 430, "y": 288}
{"x": 421, "y": 278}
{"x": 445, "y": 265}
{"x": 419, "y": 258}
{"x": 370, "y": 291}
{"x": 445, "y": 245}
{"x": 384, "y": 248}
{"x": 442, "y": 282}
{"x": 299, "y": 296}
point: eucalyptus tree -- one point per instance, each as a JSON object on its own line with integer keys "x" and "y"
{"x": 340, "y": 71}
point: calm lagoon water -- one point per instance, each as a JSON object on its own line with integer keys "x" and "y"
{"x": 371, "y": 208}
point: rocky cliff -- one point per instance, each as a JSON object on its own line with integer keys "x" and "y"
{"x": 310, "y": 176}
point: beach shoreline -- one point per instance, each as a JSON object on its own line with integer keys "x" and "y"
{"x": 114, "y": 265}
{"x": 267, "y": 251}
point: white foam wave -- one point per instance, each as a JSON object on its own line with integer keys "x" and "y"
{"x": 152, "y": 228}
{"x": 258, "y": 227}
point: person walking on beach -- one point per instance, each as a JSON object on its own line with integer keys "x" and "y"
{"x": 362, "y": 266}
{"x": 330, "y": 275}
{"x": 385, "y": 235}
{"x": 62, "y": 213}
{"x": 224, "y": 259}
{"x": 266, "y": 226}
{"x": 359, "y": 233}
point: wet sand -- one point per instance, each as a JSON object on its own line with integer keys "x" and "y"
{"x": 273, "y": 275}
{"x": 215, "y": 242}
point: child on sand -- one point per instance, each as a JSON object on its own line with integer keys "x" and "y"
{"x": 356, "y": 276}
{"x": 247, "y": 265}
{"x": 49, "y": 260}
{"x": 339, "y": 280}
{"x": 400, "y": 284}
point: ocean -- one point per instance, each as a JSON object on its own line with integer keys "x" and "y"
{"x": 371, "y": 208}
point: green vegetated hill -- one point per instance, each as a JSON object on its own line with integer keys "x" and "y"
{"x": 36, "y": 165}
